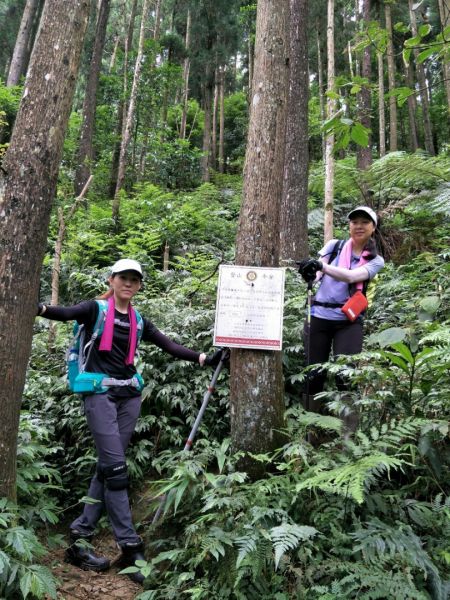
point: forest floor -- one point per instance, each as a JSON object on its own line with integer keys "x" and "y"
{"x": 76, "y": 584}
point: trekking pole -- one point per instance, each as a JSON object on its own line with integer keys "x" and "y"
{"x": 308, "y": 341}
{"x": 189, "y": 442}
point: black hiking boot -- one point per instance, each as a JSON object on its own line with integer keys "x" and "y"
{"x": 81, "y": 555}
{"x": 131, "y": 552}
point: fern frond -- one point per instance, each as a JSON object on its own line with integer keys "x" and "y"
{"x": 352, "y": 480}
{"x": 373, "y": 583}
{"x": 214, "y": 544}
{"x": 288, "y": 536}
{"x": 246, "y": 545}
{"x": 394, "y": 434}
{"x": 380, "y": 543}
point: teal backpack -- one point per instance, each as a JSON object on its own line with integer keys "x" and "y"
{"x": 81, "y": 381}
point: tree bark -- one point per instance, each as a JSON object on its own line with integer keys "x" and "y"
{"x": 444, "y": 13}
{"x": 393, "y": 122}
{"x": 207, "y": 105}
{"x": 222, "y": 120}
{"x": 329, "y": 139}
{"x": 381, "y": 110}
{"x": 413, "y": 139}
{"x": 294, "y": 206}
{"x": 17, "y": 67}
{"x": 156, "y": 32}
{"x": 428, "y": 133}
{"x": 122, "y": 108}
{"x": 27, "y": 189}
{"x": 251, "y": 60}
{"x": 86, "y": 150}
{"x": 186, "y": 69}
{"x": 364, "y": 155}
{"x": 130, "y": 115}
{"x": 321, "y": 86}
{"x": 256, "y": 375}
{"x": 214, "y": 121}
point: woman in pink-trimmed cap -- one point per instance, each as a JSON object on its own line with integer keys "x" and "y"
{"x": 112, "y": 411}
{"x": 342, "y": 271}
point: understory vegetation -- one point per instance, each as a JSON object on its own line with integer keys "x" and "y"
{"x": 365, "y": 518}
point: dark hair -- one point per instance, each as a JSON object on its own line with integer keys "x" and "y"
{"x": 371, "y": 248}
{"x": 375, "y": 244}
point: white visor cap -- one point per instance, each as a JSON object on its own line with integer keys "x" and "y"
{"x": 366, "y": 210}
{"x": 126, "y": 264}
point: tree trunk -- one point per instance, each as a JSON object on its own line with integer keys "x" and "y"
{"x": 444, "y": 13}
{"x": 350, "y": 59}
{"x": 428, "y": 133}
{"x": 413, "y": 139}
{"x": 222, "y": 120}
{"x": 214, "y": 122}
{"x": 329, "y": 140}
{"x": 27, "y": 189}
{"x": 130, "y": 115}
{"x": 251, "y": 60}
{"x": 17, "y": 67}
{"x": 56, "y": 269}
{"x": 321, "y": 87}
{"x": 364, "y": 155}
{"x": 256, "y": 375}
{"x": 207, "y": 105}
{"x": 156, "y": 32}
{"x": 86, "y": 150}
{"x": 186, "y": 68}
{"x": 294, "y": 206}
{"x": 381, "y": 111}
{"x": 122, "y": 108}
{"x": 112, "y": 62}
{"x": 393, "y": 135}
{"x": 165, "y": 95}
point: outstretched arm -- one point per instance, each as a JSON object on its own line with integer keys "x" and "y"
{"x": 83, "y": 312}
{"x": 152, "y": 334}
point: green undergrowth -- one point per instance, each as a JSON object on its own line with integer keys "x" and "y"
{"x": 368, "y": 518}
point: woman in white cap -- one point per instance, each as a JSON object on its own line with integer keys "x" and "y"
{"x": 343, "y": 271}
{"x": 112, "y": 411}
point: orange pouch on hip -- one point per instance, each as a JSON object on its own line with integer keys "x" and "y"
{"x": 355, "y": 305}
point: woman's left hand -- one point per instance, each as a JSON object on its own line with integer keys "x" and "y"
{"x": 201, "y": 359}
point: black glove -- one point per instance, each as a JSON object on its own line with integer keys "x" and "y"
{"x": 214, "y": 359}
{"x": 308, "y": 268}
{"x": 39, "y": 307}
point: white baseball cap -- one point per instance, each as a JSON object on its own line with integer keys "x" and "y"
{"x": 366, "y": 210}
{"x": 126, "y": 264}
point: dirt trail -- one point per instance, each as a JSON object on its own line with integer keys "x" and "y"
{"x": 76, "y": 584}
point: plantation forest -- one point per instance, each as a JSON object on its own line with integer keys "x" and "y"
{"x": 189, "y": 135}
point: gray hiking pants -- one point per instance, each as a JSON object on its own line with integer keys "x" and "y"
{"x": 111, "y": 421}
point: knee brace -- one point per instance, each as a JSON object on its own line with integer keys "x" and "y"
{"x": 115, "y": 476}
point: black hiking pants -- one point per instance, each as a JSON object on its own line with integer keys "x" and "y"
{"x": 343, "y": 337}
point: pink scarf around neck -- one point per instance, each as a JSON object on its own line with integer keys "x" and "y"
{"x": 108, "y": 331}
{"x": 345, "y": 259}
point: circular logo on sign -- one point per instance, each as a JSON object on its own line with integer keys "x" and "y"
{"x": 251, "y": 275}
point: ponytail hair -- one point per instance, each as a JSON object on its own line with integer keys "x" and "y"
{"x": 106, "y": 295}
{"x": 371, "y": 248}
{"x": 376, "y": 243}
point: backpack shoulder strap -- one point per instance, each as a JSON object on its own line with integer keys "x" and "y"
{"x": 336, "y": 250}
{"x": 101, "y": 317}
{"x": 139, "y": 323}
